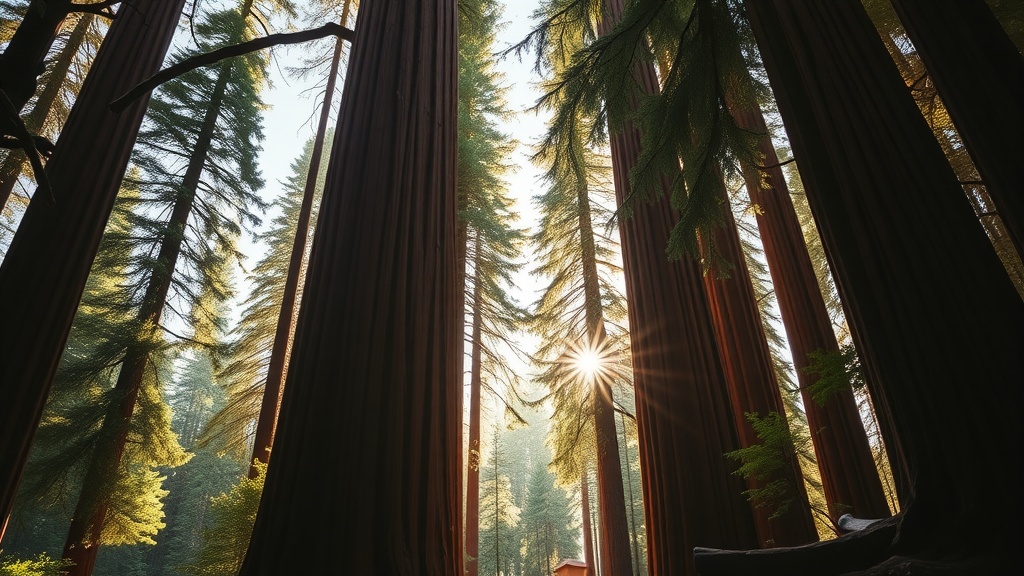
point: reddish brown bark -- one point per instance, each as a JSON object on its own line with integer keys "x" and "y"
{"x": 691, "y": 497}
{"x": 271, "y": 402}
{"x": 48, "y": 262}
{"x": 979, "y": 74}
{"x": 753, "y": 387}
{"x": 685, "y": 426}
{"x": 375, "y": 369}
{"x": 611, "y": 499}
{"x": 848, "y": 473}
{"x": 931, "y": 308}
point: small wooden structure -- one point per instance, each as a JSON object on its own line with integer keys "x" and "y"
{"x": 571, "y": 567}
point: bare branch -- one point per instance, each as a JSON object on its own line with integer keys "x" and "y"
{"x": 104, "y": 8}
{"x": 27, "y": 141}
{"x": 210, "y": 58}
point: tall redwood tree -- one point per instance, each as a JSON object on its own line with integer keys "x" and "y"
{"x": 847, "y": 468}
{"x": 753, "y": 387}
{"x": 930, "y": 306}
{"x": 368, "y": 438}
{"x": 691, "y": 497}
{"x": 48, "y": 262}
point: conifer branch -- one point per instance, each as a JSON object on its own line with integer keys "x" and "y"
{"x": 210, "y": 58}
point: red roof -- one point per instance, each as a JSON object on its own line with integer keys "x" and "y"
{"x": 571, "y": 562}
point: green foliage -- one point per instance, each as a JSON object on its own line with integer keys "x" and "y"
{"x": 226, "y": 540}
{"x": 700, "y": 45}
{"x": 41, "y": 565}
{"x": 837, "y": 371}
{"x": 549, "y": 528}
{"x": 194, "y": 396}
{"x": 499, "y": 516}
{"x": 494, "y": 243}
{"x": 766, "y": 464}
{"x": 567, "y": 243}
{"x": 244, "y": 376}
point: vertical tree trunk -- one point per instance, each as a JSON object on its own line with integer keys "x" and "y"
{"x": 473, "y": 461}
{"x": 271, "y": 404}
{"x": 82, "y": 544}
{"x": 930, "y": 306}
{"x": 44, "y": 272}
{"x": 691, "y": 497}
{"x": 752, "y": 383}
{"x": 588, "y": 536}
{"x": 23, "y": 59}
{"x": 629, "y": 490}
{"x": 376, "y": 363}
{"x": 611, "y": 497}
{"x": 979, "y": 74}
{"x": 13, "y": 164}
{"x": 848, "y": 472}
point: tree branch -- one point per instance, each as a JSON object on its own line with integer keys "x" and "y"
{"x": 27, "y": 143}
{"x": 104, "y": 8}
{"x": 210, "y": 58}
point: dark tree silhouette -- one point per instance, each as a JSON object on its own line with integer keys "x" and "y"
{"x": 48, "y": 262}
{"x": 376, "y": 363}
{"x": 979, "y": 74}
{"x": 930, "y": 306}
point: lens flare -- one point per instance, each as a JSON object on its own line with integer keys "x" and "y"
{"x": 590, "y": 363}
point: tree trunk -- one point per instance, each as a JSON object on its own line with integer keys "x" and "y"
{"x": 376, "y": 363}
{"x": 611, "y": 496}
{"x": 979, "y": 74}
{"x": 930, "y": 306}
{"x": 849, "y": 476}
{"x": 44, "y": 272}
{"x": 588, "y": 536}
{"x": 629, "y": 491}
{"x": 24, "y": 57}
{"x": 752, "y": 383}
{"x": 473, "y": 467}
{"x": 12, "y": 165}
{"x": 271, "y": 404}
{"x": 691, "y": 497}
{"x": 83, "y": 539}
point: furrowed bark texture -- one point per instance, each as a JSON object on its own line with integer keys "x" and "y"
{"x": 375, "y": 372}
{"x": 849, "y": 476}
{"x": 685, "y": 427}
{"x": 938, "y": 323}
{"x": 691, "y": 497}
{"x": 979, "y": 75}
{"x": 44, "y": 272}
{"x": 753, "y": 387}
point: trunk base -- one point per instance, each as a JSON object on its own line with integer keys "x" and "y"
{"x": 868, "y": 551}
